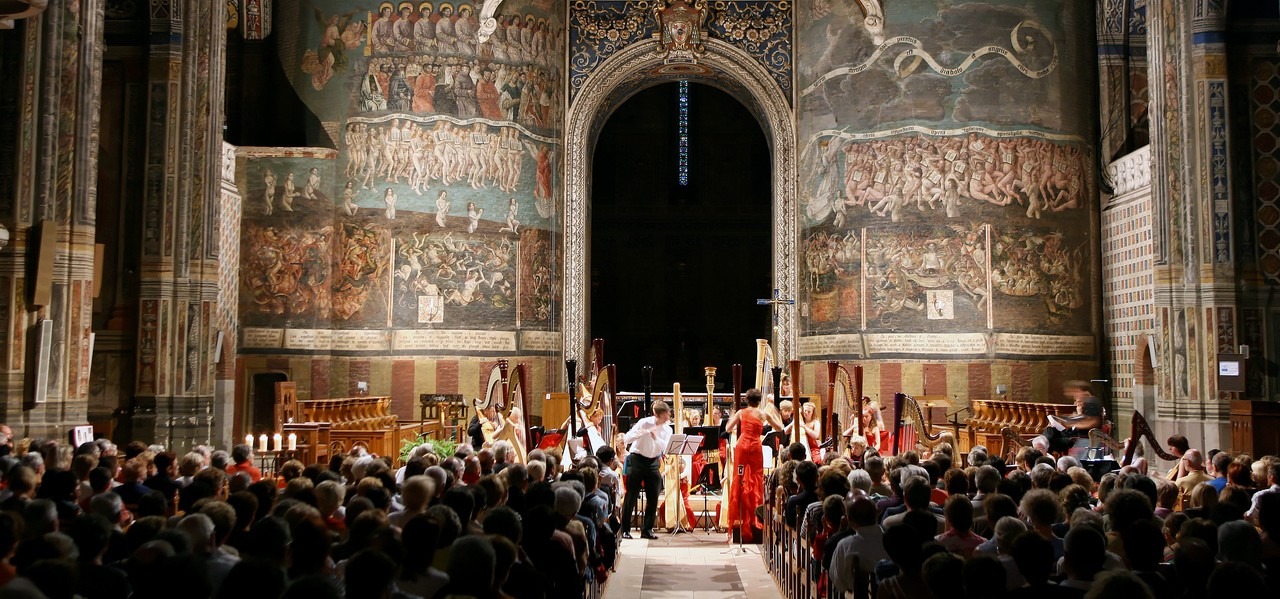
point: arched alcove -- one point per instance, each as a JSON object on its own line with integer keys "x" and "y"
{"x": 613, "y": 81}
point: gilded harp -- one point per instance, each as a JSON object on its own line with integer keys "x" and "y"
{"x": 509, "y": 397}
{"x": 845, "y": 398}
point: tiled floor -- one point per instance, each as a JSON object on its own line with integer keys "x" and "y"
{"x": 689, "y": 566}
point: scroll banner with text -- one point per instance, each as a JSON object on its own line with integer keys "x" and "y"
{"x": 947, "y": 344}
{"x": 268, "y": 340}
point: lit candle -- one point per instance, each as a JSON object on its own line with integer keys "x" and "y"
{"x": 262, "y": 443}
{"x": 277, "y": 442}
{"x": 248, "y": 440}
{"x": 293, "y": 441}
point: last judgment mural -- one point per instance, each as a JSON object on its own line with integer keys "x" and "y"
{"x": 437, "y": 211}
{"x": 958, "y": 201}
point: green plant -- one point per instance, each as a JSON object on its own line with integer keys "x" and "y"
{"x": 441, "y": 447}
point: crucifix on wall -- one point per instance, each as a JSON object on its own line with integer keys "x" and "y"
{"x": 775, "y": 301}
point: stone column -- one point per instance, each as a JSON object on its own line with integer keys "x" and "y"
{"x": 53, "y": 87}
{"x": 1194, "y": 270}
{"x": 181, "y": 212}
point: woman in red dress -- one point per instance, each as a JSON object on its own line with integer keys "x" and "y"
{"x": 747, "y": 482}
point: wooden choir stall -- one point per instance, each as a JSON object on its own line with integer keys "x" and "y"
{"x": 328, "y": 427}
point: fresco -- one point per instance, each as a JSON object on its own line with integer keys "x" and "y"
{"x": 962, "y": 185}
{"x": 436, "y": 211}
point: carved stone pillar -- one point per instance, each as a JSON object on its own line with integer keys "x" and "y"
{"x": 1195, "y": 283}
{"x": 181, "y": 215}
{"x": 51, "y": 92}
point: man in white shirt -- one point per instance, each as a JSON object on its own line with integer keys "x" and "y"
{"x": 648, "y": 440}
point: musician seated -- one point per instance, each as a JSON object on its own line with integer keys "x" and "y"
{"x": 1063, "y": 431}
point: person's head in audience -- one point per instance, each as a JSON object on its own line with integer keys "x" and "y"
{"x": 1118, "y": 584}
{"x": 832, "y": 483}
{"x": 450, "y": 524}
{"x": 1193, "y": 563}
{"x": 996, "y": 506}
{"x": 1007, "y": 531}
{"x": 959, "y": 513}
{"x": 797, "y": 451}
{"x": 941, "y": 571}
{"x": 241, "y": 454}
{"x": 1074, "y": 497}
{"x": 904, "y": 546}
{"x": 1084, "y": 553}
{"x": 1080, "y": 476}
{"x": 420, "y": 536}
{"x": 1166, "y": 494}
{"x": 983, "y": 577}
{"x": 1237, "y": 579}
{"x": 860, "y": 482}
{"x": 416, "y": 493}
{"x": 1221, "y": 462}
{"x": 462, "y": 503}
{"x": 915, "y": 494}
{"x": 956, "y": 482}
{"x": 369, "y": 575}
{"x": 1127, "y": 506}
{"x": 1238, "y": 541}
{"x": 987, "y": 479}
{"x": 1143, "y": 546}
{"x": 807, "y": 475}
{"x": 1033, "y": 555}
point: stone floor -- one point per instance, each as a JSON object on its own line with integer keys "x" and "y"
{"x": 689, "y": 566}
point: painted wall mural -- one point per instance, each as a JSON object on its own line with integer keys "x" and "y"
{"x": 946, "y": 179}
{"x": 429, "y": 229}
{"x": 600, "y": 28}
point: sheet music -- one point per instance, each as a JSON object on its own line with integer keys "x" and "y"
{"x": 1055, "y": 423}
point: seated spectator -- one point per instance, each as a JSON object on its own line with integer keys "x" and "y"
{"x": 1007, "y": 531}
{"x": 915, "y": 494}
{"x": 417, "y": 576}
{"x": 984, "y": 578}
{"x": 242, "y": 461}
{"x": 904, "y": 546}
{"x": 1084, "y": 557}
{"x": 959, "y": 537}
{"x": 1041, "y": 508}
{"x": 858, "y": 554}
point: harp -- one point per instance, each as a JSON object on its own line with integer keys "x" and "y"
{"x": 509, "y": 397}
{"x": 908, "y": 422}
{"x": 1139, "y": 430}
{"x": 726, "y": 473}
{"x": 673, "y": 500}
{"x": 844, "y": 395}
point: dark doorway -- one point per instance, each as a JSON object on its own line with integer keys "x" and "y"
{"x": 676, "y": 269}
{"x": 262, "y": 406}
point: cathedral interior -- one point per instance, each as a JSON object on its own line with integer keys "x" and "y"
{"x": 973, "y": 201}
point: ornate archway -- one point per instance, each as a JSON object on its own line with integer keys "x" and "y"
{"x": 634, "y": 68}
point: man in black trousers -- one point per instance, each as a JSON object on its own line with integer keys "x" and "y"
{"x": 648, "y": 442}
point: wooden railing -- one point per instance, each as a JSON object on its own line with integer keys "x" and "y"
{"x": 1026, "y": 419}
{"x": 349, "y": 413}
{"x": 787, "y": 557}
{"x": 334, "y": 426}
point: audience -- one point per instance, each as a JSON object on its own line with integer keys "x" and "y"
{"x": 142, "y": 522}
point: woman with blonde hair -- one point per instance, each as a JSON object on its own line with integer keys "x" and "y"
{"x": 811, "y": 430}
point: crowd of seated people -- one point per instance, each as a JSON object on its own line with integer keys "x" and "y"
{"x": 98, "y": 521}
{"x": 949, "y": 526}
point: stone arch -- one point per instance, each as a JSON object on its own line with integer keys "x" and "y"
{"x": 727, "y": 67}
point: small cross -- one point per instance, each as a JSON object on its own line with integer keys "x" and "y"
{"x": 777, "y": 300}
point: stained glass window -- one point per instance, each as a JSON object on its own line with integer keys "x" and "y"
{"x": 682, "y": 170}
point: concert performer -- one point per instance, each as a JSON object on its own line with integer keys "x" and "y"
{"x": 1063, "y": 431}
{"x": 811, "y": 430}
{"x": 491, "y": 424}
{"x": 872, "y": 424}
{"x": 748, "y": 483}
{"x": 648, "y": 440}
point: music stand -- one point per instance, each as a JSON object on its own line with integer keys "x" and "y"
{"x": 710, "y": 442}
{"x": 682, "y": 445}
{"x": 773, "y": 440}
